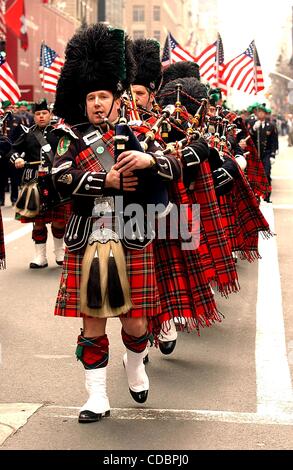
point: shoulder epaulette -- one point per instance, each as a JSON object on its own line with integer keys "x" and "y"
{"x": 63, "y": 128}
{"x": 24, "y": 128}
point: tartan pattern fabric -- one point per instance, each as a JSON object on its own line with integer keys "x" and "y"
{"x": 40, "y": 235}
{"x": 141, "y": 276}
{"x": 216, "y": 246}
{"x": 86, "y": 160}
{"x": 134, "y": 343}
{"x": 243, "y": 219}
{"x": 59, "y": 214}
{"x": 140, "y": 264}
{"x": 255, "y": 171}
{"x": 2, "y": 246}
{"x": 184, "y": 289}
{"x": 93, "y": 352}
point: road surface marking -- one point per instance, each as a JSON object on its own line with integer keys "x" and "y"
{"x": 11, "y": 237}
{"x": 285, "y": 419}
{"x": 273, "y": 380}
{"x": 53, "y": 356}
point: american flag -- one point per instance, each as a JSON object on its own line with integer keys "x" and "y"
{"x": 2, "y": 20}
{"x": 8, "y": 87}
{"x": 211, "y": 64}
{"x": 244, "y": 72}
{"x": 173, "y": 52}
{"x": 50, "y": 68}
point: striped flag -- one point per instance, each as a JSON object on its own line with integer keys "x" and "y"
{"x": 8, "y": 87}
{"x": 2, "y": 20}
{"x": 244, "y": 72}
{"x": 173, "y": 52}
{"x": 50, "y": 68}
{"x": 16, "y": 20}
{"x": 211, "y": 64}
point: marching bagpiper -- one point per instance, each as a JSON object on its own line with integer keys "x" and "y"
{"x": 103, "y": 276}
{"x": 34, "y": 151}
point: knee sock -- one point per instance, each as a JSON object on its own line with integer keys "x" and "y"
{"x": 57, "y": 232}
{"x": 134, "y": 343}
{"x": 93, "y": 352}
{"x": 39, "y": 235}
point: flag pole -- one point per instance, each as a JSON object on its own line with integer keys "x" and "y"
{"x": 254, "y": 67}
{"x": 170, "y": 49}
{"x": 43, "y": 61}
{"x": 217, "y": 61}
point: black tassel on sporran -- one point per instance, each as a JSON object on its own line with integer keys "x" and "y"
{"x": 94, "y": 294}
{"x": 115, "y": 291}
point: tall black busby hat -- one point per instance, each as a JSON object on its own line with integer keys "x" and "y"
{"x": 148, "y": 63}
{"x": 191, "y": 87}
{"x": 180, "y": 70}
{"x": 41, "y": 105}
{"x": 96, "y": 58}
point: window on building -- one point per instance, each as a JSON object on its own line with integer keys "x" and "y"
{"x": 79, "y": 9}
{"x": 157, "y": 13}
{"x": 157, "y": 35}
{"x": 138, "y": 13}
{"x": 138, "y": 34}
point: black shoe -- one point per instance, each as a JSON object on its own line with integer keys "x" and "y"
{"x": 87, "y": 416}
{"x": 167, "y": 347}
{"x": 60, "y": 263}
{"x": 37, "y": 266}
{"x": 139, "y": 397}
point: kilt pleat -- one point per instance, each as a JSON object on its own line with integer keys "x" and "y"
{"x": 142, "y": 280}
{"x": 243, "y": 220}
{"x": 60, "y": 214}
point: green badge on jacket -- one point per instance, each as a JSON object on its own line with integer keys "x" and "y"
{"x": 63, "y": 145}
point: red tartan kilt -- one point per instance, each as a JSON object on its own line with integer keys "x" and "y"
{"x": 59, "y": 214}
{"x": 142, "y": 280}
{"x": 173, "y": 281}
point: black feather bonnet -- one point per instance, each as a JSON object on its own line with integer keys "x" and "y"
{"x": 191, "y": 87}
{"x": 180, "y": 70}
{"x": 148, "y": 63}
{"x": 97, "y": 57}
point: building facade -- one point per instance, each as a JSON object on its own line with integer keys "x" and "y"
{"x": 154, "y": 18}
{"x": 52, "y": 22}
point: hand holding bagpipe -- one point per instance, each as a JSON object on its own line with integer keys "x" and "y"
{"x": 113, "y": 180}
{"x": 131, "y": 160}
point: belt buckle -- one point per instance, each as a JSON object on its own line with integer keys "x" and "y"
{"x": 92, "y": 137}
{"x": 103, "y": 206}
